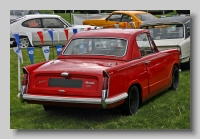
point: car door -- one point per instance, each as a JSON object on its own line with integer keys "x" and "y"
{"x": 156, "y": 63}
{"x": 32, "y": 25}
{"x": 112, "y": 20}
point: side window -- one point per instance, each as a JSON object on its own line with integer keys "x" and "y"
{"x": 143, "y": 44}
{"x": 126, "y": 18}
{"x": 33, "y": 23}
{"x": 187, "y": 29}
{"x": 115, "y": 17}
{"x": 52, "y": 23}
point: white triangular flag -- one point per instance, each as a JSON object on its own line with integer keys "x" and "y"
{"x": 29, "y": 35}
{"x": 46, "y": 52}
{"x": 117, "y": 25}
{"x": 57, "y": 32}
{"x": 18, "y": 52}
{"x": 134, "y": 24}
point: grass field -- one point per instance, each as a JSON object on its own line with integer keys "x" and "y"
{"x": 169, "y": 110}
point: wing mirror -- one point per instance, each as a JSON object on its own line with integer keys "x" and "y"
{"x": 64, "y": 26}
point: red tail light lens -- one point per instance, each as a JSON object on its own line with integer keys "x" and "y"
{"x": 25, "y": 79}
{"x": 105, "y": 81}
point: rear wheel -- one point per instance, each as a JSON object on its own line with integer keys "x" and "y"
{"x": 175, "y": 78}
{"x": 131, "y": 103}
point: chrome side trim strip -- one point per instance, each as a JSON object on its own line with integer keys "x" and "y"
{"x": 75, "y": 100}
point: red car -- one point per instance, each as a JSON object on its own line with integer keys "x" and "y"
{"x": 103, "y": 68}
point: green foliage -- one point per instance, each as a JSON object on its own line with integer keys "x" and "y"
{"x": 168, "y": 110}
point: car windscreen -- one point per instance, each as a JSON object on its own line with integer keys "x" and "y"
{"x": 96, "y": 46}
{"x": 17, "y": 19}
{"x": 165, "y": 31}
{"x": 67, "y": 23}
{"x": 145, "y": 17}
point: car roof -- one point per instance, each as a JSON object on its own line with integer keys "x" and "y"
{"x": 131, "y": 12}
{"x": 167, "y": 20}
{"x": 41, "y": 15}
{"x": 109, "y": 32}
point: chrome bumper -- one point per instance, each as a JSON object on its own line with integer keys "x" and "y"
{"x": 104, "y": 101}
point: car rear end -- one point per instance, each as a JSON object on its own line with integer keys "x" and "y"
{"x": 73, "y": 87}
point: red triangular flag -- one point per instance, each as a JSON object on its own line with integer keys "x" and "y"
{"x": 89, "y": 28}
{"x": 125, "y": 25}
{"x": 66, "y": 33}
{"x": 40, "y": 34}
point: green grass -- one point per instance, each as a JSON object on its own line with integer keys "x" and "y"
{"x": 168, "y": 110}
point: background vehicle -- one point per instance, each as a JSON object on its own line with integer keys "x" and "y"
{"x": 42, "y": 22}
{"x": 171, "y": 33}
{"x": 121, "y": 17}
{"x": 103, "y": 68}
{"x": 18, "y": 13}
{"x": 183, "y": 11}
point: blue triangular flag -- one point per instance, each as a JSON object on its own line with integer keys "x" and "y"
{"x": 17, "y": 39}
{"x": 131, "y": 23}
{"x": 50, "y": 34}
{"x": 58, "y": 49}
{"x": 75, "y": 30}
{"x": 31, "y": 54}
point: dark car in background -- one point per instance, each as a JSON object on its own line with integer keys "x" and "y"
{"x": 18, "y": 13}
{"x": 183, "y": 11}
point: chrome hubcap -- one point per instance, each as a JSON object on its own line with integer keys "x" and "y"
{"x": 24, "y": 43}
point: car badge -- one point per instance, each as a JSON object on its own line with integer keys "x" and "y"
{"x": 42, "y": 81}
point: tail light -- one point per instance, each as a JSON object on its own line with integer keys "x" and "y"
{"x": 105, "y": 85}
{"x": 25, "y": 81}
{"x": 105, "y": 81}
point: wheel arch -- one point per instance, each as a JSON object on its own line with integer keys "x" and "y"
{"x": 138, "y": 85}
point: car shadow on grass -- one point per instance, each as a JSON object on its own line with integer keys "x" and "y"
{"x": 86, "y": 113}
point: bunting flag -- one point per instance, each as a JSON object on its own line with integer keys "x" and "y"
{"x": 134, "y": 24}
{"x": 81, "y": 47}
{"x": 125, "y": 25}
{"x": 18, "y": 52}
{"x": 131, "y": 23}
{"x": 31, "y": 54}
{"x": 46, "y": 52}
{"x": 16, "y": 36}
{"x": 117, "y": 25}
{"x": 90, "y": 45}
{"x": 58, "y": 49}
{"x": 40, "y": 34}
{"x": 75, "y": 30}
{"x": 17, "y": 49}
{"x": 89, "y": 28}
{"x": 29, "y": 35}
{"x": 66, "y": 33}
{"x": 51, "y": 34}
{"x": 57, "y": 33}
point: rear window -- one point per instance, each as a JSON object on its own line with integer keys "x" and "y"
{"x": 145, "y": 17}
{"x": 97, "y": 46}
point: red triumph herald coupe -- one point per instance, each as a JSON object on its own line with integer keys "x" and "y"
{"x": 103, "y": 68}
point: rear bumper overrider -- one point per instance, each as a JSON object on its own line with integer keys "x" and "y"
{"x": 104, "y": 101}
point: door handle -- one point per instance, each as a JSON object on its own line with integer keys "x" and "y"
{"x": 147, "y": 62}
